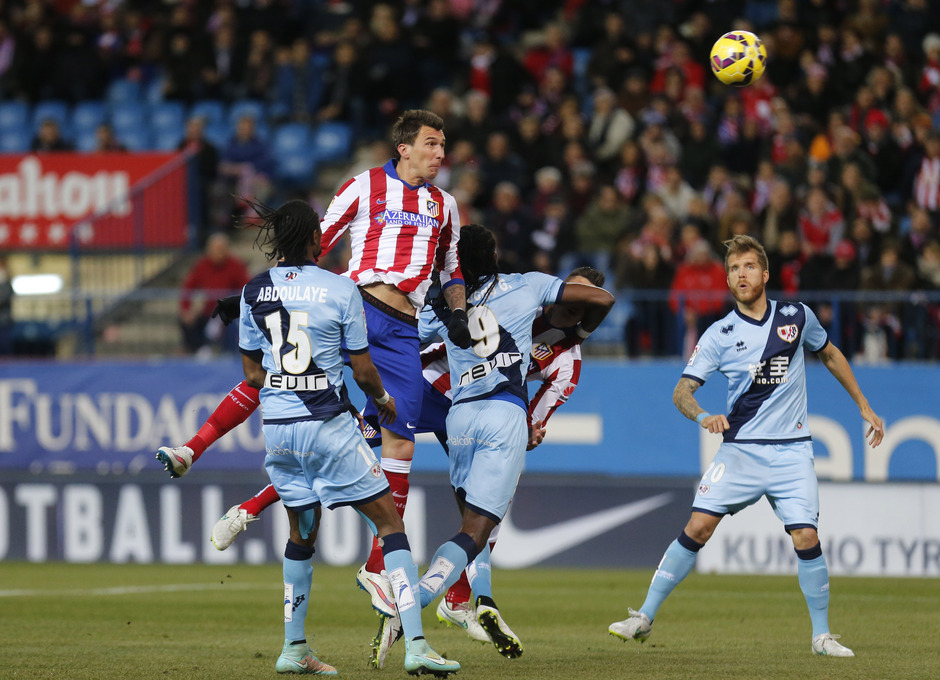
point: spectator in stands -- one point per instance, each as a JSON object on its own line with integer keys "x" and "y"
{"x": 499, "y": 164}
{"x": 342, "y": 97}
{"x": 676, "y": 193}
{"x": 927, "y": 180}
{"x": 884, "y": 323}
{"x": 297, "y": 82}
{"x": 610, "y": 127}
{"x": 599, "y": 228}
{"x": 207, "y": 169}
{"x": 106, "y": 141}
{"x": 640, "y": 267}
{"x": 630, "y": 175}
{"x": 218, "y": 273}
{"x": 512, "y": 224}
{"x": 821, "y": 223}
{"x": 258, "y": 77}
{"x": 779, "y": 215}
{"x": 49, "y": 138}
{"x": 886, "y": 155}
{"x": 245, "y": 167}
{"x": 700, "y": 151}
{"x": 699, "y": 291}
{"x": 920, "y": 233}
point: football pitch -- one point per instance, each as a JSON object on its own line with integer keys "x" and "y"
{"x": 103, "y": 621}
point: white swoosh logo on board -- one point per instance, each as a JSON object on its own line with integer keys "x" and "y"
{"x": 520, "y": 548}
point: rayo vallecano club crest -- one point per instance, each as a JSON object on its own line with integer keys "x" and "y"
{"x": 788, "y": 333}
{"x": 434, "y": 208}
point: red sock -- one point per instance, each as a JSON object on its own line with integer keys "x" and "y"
{"x": 232, "y": 411}
{"x": 459, "y": 593}
{"x": 261, "y": 500}
{"x": 398, "y": 481}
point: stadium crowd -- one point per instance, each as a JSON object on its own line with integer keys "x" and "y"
{"x": 587, "y": 132}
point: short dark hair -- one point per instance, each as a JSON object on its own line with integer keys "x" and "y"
{"x": 595, "y": 276}
{"x": 406, "y": 128}
{"x": 741, "y": 244}
{"x": 286, "y": 231}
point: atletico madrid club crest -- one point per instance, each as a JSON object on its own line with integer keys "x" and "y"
{"x": 434, "y": 208}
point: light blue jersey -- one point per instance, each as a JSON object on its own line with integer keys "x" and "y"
{"x": 298, "y": 317}
{"x": 500, "y": 320}
{"x": 764, "y": 364}
{"x": 487, "y": 440}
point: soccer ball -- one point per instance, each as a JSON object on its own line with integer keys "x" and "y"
{"x": 738, "y": 58}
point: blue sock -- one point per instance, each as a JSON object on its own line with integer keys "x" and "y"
{"x": 676, "y": 564}
{"x": 480, "y": 574}
{"x": 449, "y": 560}
{"x": 298, "y": 576}
{"x": 403, "y": 574}
{"x": 814, "y": 582}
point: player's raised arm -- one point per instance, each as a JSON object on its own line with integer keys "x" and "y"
{"x": 833, "y": 359}
{"x": 597, "y": 303}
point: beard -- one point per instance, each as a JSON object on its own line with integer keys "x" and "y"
{"x": 749, "y": 296}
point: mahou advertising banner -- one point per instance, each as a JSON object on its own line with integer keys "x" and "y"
{"x": 115, "y": 200}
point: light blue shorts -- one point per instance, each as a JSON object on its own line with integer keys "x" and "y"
{"x": 487, "y": 441}
{"x": 741, "y": 473}
{"x": 322, "y": 461}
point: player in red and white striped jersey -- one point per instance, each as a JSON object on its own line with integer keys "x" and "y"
{"x": 401, "y": 228}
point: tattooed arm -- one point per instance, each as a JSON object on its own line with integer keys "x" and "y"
{"x": 684, "y": 400}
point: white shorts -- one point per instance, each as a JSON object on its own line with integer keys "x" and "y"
{"x": 322, "y": 461}
{"x": 741, "y": 473}
{"x": 486, "y": 441}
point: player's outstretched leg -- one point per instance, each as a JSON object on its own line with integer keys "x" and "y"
{"x": 379, "y": 589}
{"x": 676, "y": 564}
{"x": 237, "y": 517}
{"x": 826, "y": 645}
{"x": 421, "y": 659}
{"x": 176, "y": 459}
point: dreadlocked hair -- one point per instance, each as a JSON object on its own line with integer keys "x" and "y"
{"x": 284, "y": 231}
{"x": 477, "y": 252}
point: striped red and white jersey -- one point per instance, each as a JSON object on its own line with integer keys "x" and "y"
{"x": 555, "y": 363}
{"x": 398, "y": 233}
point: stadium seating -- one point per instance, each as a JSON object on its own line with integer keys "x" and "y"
{"x": 122, "y": 90}
{"x": 54, "y": 109}
{"x": 296, "y": 168}
{"x": 210, "y": 109}
{"x": 134, "y": 139}
{"x": 13, "y": 115}
{"x": 84, "y": 140}
{"x": 128, "y": 116}
{"x": 167, "y": 140}
{"x": 166, "y": 116}
{"x": 87, "y": 115}
{"x": 332, "y": 142}
{"x": 15, "y": 140}
{"x": 250, "y": 107}
{"x": 291, "y": 137}
{"x": 218, "y": 134}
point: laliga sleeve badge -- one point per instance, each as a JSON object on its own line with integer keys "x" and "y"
{"x": 694, "y": 354}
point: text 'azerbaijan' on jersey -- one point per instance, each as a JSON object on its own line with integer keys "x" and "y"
{"x": 765, "y": 367}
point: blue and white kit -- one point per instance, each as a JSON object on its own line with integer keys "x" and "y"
{"x": 297, "y": 318}
{"x": 768, "y": 448}
{"x": 486, "y": 426}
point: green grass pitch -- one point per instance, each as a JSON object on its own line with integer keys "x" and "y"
{"x": 173, "y": 622}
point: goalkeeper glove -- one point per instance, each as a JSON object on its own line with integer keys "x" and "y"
{"x": 227, "y": 309}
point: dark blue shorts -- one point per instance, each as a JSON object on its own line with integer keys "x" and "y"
{"x": 394, "y": 347}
